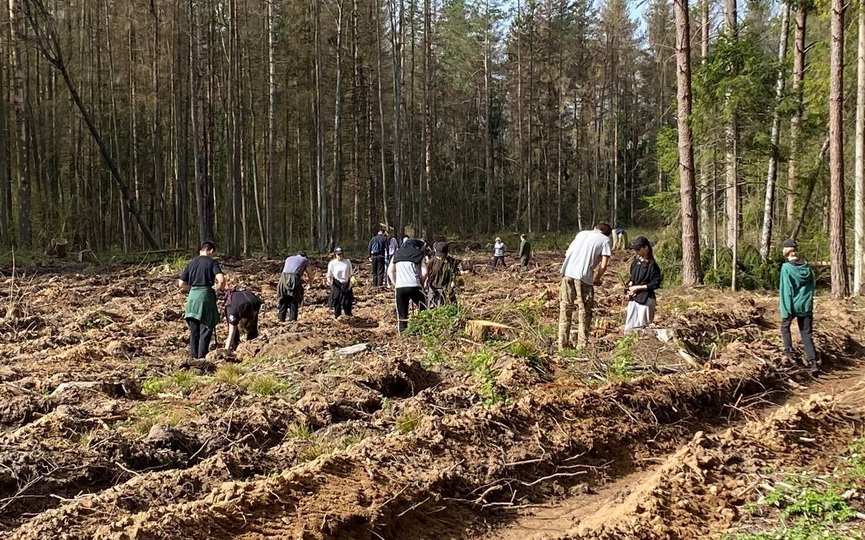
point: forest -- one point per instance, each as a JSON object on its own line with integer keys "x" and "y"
{"x": 267, "y": 125}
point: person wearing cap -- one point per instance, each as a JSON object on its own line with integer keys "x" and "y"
{"x": 499, "y": 248}
{"x": 289, "y": 291}
{"x": 339, "y": 278}
{"x": 241, "y": 312}
{"x": 525, "y": 251}
{"x": 442, "y": 271}
{"x": 408, "y": 272}
{"x": 588, "y": 250}
{"x": 796, "y": 291}
{"x": 646, "y": 278}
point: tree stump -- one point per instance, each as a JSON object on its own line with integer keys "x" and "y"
{"x": 480, "y": 330}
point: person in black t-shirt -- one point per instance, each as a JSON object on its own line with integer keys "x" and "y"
{"x": 198, "y": 279}
{"x": 241, "y": 312}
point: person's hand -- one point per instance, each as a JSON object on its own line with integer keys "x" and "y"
{"x": 634, "y": 289}
{"x": 598, "y": 281}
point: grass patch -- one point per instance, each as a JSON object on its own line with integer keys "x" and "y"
{"x": 230, "y": 374}
{"x": 408, "y": 422}
{"x": 180, "y": 382}
{"x": 148, "y": 416}
{"x": 265, "y": 385}
{"x": 300, "y": 431}
{"x": 313, "y": 451}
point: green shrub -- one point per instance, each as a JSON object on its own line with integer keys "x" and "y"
{"x": 436, "y": 325}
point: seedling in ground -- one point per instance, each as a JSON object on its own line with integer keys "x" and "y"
{"x": 408, "y": 422}
{"x": 265, "y": 385}
{"x": 481, "y": 365}
{"x": 621, "y": 368}
{"x": 300, "y": 431}
{"x": 437, "y": 325}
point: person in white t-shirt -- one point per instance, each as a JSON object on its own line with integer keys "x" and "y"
{"x": 339, "y": 279}
{"x": 588, "y": 251}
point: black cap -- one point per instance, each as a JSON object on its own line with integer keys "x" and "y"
{"x": 441, "y": 247}
{"x": 640, "y": 242}
{"x": 789, "y": 243}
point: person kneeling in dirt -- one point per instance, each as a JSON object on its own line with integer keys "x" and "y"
{"x": 241, "y": 312}
{"x": 587, "y": 251}
{"x": 202, "y": 313}
{"x": 289, "y": 292}
{"x": 646, "y": 277}
{"x": 796, "y": 292}
{"x": 442, "y": 271}
{"x": 339, "y": 278}
{"x": 408, "y": 272}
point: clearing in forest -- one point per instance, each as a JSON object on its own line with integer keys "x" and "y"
{"x": 109, "y": 431}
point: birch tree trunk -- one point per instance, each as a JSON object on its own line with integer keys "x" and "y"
{"x": 772, "y": 175}
{"x": 270, "y": 246}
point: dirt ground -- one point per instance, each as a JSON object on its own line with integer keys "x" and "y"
{"x": 110, "y": 431}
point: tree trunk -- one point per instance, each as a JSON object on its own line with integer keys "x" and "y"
{"x": 321, "y": 179}
{"x": 731, "y": 139}
{"x": 5, "y": 165}
{"x": 859, "y": 198}
{"x": 837, "y": 246}
{"x": 795, "y": 121}
{"x": 158, "y": 163}
{"x": 21, "y": 123}
{"x": 692, "y": 272}
{"x": 199, "y": 102}
{"x": 336, "y": 231}
{"x": 706, "y": 192}
{"x": 772, "y": 175}
{"x": 270, "y": 246}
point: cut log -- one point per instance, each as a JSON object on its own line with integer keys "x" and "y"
{"x": 480, "y": 330}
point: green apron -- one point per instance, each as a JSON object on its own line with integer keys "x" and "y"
{"x": 201, "y": 306}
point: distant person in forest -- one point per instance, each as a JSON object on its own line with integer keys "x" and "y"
{"x": 796, "y": 291}
{"x": 241, "y": 313}
{"x": 201, "y": 313}
{"x": 408, "y": 272}
{"x": 377, "y": 252}
{"x": 339, "y": 278}
{"x": 392, "y": 246}
{"x": 587, "y": 251}
{"x": 646, "y": 277}
{"x": 499, "y": 248}
{"x": 289, "y": 291}
{"x": 620, "y": 238}
{"x": 525, "y": 251}
{"x": 442, "y": 271}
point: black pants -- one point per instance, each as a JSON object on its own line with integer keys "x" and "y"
{"x": 500, "y": 259}
{"x": 341, "y": 298}
{"x": 378, "y": 271}
{"x": 404, "y": 296}
{"x": 524, "y": 262}
{"x": 199, "y": 338}
{"x": 289, "y": 305}
{"x": 806, "y": 327}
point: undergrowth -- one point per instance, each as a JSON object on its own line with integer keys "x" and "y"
{"x": 435, "y": 326}
{"x": 621, "y": 368}
{"x": 806, "y": 506}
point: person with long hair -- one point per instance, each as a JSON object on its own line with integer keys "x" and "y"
{"x": 646, "y": 278}
{"x": 408, "y": 273}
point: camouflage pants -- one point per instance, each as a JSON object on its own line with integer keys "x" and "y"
{"x": 575, "y": 291}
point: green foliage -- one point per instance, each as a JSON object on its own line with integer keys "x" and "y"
{"x": 753, "y": 274}
{"x": 524, "y": 349}
{"x": 621, "y": 367}
{"x": 437, "y": 325}
{"x": 181, "y": 382}
{"x": 265, "y": 385}
{"x": 300, "y": 431}
{"x": 408, "y": 422}
{"x": 147, "y": 416}
{"x": 229, "y": 374}
{"x": 481, "y": 365}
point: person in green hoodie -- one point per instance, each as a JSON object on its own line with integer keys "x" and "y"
{"x": 796, "y": 292}
{"x": 199, "y": 278}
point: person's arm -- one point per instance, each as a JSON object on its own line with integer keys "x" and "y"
{"x": 391, "y": 271}
{"x": 329, "y": 278}
{"x": 349, "y": 273}
{"x": 424, "y": 272}
{"x": 219, "y": 282}
{"x": 605, "y": 263}
{"x": 232, "y": 332}
{"x": 308, "y": 274}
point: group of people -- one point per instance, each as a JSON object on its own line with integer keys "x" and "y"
{"x": 524, "y": 253}
{"x": 426, "y": 276}
{"x": 588, "y": 258}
